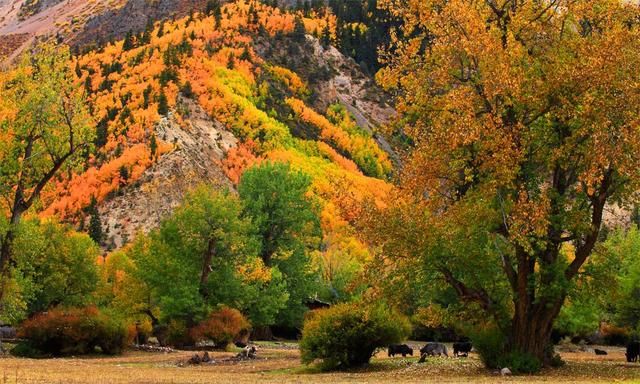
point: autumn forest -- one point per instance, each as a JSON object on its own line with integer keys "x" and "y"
{"x": 303, "y": 190}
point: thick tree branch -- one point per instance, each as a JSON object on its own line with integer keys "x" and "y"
{"x": 584, "y": 249}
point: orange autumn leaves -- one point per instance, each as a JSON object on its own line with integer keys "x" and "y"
{"x": 223, "y": 73}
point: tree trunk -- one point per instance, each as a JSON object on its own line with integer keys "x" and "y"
{"x": 206, "y": 267}
{"x": 6, "y": 250}
{"x": 6, "y": 256}
{"x": 531, "y": 331}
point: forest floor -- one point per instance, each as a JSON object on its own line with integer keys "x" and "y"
{"x": 280, "y": 363}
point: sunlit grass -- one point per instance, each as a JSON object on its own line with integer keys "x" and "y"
{"x": 279, "y": 363}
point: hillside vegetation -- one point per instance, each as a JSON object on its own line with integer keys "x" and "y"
{"x": 352, "y": 174}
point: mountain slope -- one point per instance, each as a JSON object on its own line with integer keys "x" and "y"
{"x": 200, "y": 99}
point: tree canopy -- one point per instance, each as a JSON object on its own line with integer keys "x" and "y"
{"x": 275, "y": 199}
{"x": 44, "y": 125}
{"x": 523, "y": 124}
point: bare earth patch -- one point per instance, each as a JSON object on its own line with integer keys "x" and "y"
{"x": 279, "y": 364}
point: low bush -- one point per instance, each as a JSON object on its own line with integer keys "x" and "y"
{"x": 75, "y": 331}
{"x": 177, "y": 334}
{"x": 491, "y": 345}
{"x": 348, "y": 335}
{"x": 222, "y": 327}
{"x": 520, "y": 362}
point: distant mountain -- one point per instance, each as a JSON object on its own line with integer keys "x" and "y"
{"x": 81, "y": 22}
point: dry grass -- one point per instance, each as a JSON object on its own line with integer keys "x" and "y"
{"x": 282, "y": 366}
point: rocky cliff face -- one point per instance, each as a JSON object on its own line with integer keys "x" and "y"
{"x": 200, "y": 145}
{"x": 81, "y": 22}
{"x": 133, "y": 15}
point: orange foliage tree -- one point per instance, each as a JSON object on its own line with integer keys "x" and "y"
{"x": 525, "y": 118}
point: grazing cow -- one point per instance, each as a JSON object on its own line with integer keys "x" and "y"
{"x": 433, "y": 349}
{"x": 462, "y": 348}
{"x": 633, "y": 351}
{"x": 600, "y": 351}
{"x": 399, "y": 349}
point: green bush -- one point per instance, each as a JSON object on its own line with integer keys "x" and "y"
{"x": 25, "y": 349}
{"x": 348, "y": 335}
{"x": 519, "y": 362}
{"x": 177, "y": 334}
{"x": 491, "y": 345}
{"x": 74, "y": 331}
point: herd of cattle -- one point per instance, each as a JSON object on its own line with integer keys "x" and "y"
{"x": 463, "y": 348}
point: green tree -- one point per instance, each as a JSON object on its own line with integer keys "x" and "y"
{"x": 209, "y": 254}
{"x": 275, "y": 198}
{"x": 619, "y": 292}
{"x": 163, "y": 104}
{"x": 44, "y": 125}
{"x": 129, "y": 41}
{"x": 54, "y": 266}
{"x": 95, "y": 224}
{"x": 299, "y": 30}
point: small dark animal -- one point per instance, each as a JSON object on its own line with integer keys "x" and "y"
{"x": 399, "y": 349}
{"x": 206, "y": 358}
{"x": 433, "y": 349}
{"x": 599, "y": 351}
{"x": 462, "y": 348}
{"x": 633, "y": 351}
{"x": 194, "y": 360}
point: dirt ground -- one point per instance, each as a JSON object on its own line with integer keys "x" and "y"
{"x": 279, "y": 363}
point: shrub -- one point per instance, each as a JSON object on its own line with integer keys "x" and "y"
{"x": 222, "y": 327}
{"x": 74, "y": 331}
{"x": 347, "y": 335}
{"x": 491, "y": 345}
{"x": 178, "y": 335}
{"x": 520, "y": 362}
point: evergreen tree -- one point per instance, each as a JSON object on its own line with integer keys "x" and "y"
{"x": 95, "y": 223}
{"x": 102, "y": 133}
{"x": 231, "y": 61}
{"x": 78, "y": 70}
{"x": 299, "y": 30}
{"x": 128, "y": 42}
{"x": 163, "y": 104}
{"x": 245, "y": 55}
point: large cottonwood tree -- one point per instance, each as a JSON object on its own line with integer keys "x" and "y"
{"x": 524, "y": 119}
{"x": 44, "y": 125}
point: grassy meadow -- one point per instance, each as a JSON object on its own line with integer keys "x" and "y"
{"x": 279, "y": 363}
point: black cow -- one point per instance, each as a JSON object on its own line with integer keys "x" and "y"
{"x": 599, "y": 351}
{"x": 462, "y": 348}
{"x": 399, "y": 349}
{"x": 633, "y": 351}
{"x": 433, "y": 349}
